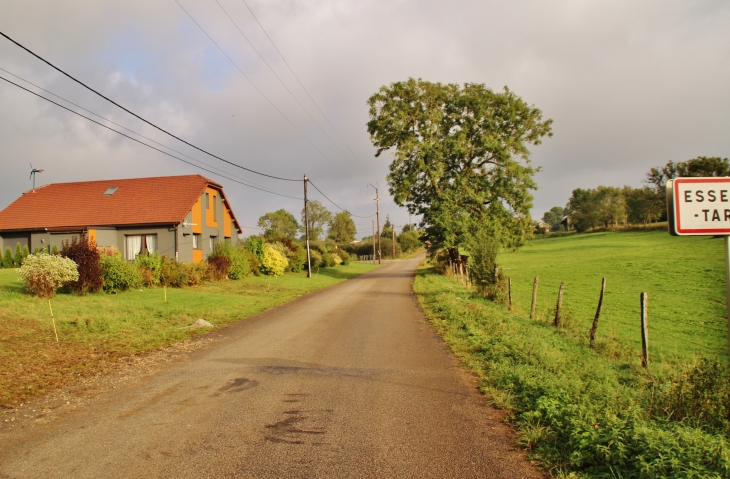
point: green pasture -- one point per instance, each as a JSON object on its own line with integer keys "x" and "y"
{"x": 683, "y": 276}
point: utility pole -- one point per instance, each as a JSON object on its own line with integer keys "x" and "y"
{"x": 373, "y": 221}
{"x": 392, "y": 230}
{"x": 306, "y": 221}
{"x": 377, "y": 203}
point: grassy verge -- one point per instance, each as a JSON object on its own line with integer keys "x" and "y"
{"x": 98, "y": 328}
{"x": 683, "y": 276}
{"x": 579, "y": 413}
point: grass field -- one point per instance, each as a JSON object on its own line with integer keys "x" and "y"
{"x": 683, "y": 276}
{"x": 101, "y": 327}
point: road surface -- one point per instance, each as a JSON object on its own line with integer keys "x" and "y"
{"x": 350, "y": 381}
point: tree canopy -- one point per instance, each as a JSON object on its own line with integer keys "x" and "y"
{"x": 342, "y": 228}
{"x": 702, "y": 166}
{"x": 461, "y": 158}
{"x": 279, "y": 224}
{"x": 553, "y": 217}
{"x": 319, "y": 217}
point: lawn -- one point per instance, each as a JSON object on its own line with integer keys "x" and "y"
{"x": 101, "y": 327}
{"x": 683, "y": 276}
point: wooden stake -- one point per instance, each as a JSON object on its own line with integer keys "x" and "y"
{"x": 534, "y": 298}
{"x": 54, "y": 324}
{"x": 644, "y": 331}
{"x": 594, "y": 328}
{"x": 559, "y": 304}
{"x": 509, "y": 293}
{"x": 164, "y": 288}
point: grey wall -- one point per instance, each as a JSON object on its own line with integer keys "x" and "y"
{"x": 165, "y": 239}
{"x": 108, "y": 237}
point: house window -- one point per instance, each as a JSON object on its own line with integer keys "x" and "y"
{"x": 139, "y": 244}
{"x": 213, "y": 241}
{"x": 196, "y": 241}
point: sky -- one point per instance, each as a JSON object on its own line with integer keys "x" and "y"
{"x": 280, "y": 86}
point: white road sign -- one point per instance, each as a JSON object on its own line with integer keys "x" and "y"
{"x": 699, "y": 206}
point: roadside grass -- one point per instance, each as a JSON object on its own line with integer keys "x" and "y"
{"x": 99, "y": 328}
{"x": 683, "y": 276}
{"x": 578, "y": 413}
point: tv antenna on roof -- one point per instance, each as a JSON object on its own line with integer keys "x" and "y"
{"x": 33, "y": 171}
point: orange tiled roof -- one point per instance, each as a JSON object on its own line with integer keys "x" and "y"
{"x": 137, "y": 201}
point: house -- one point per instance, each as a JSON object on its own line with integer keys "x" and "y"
{"x": 178, "y": 216}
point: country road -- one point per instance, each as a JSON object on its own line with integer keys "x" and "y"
{"x": 349, "y": 381}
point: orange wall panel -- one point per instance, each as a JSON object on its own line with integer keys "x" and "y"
{"x": 226, "y": 221}
{"x": 197, "y": 255}
{"x": 210, "y": 219}
{"x": 198, "y": 216}
{"x": 92, "y": 236}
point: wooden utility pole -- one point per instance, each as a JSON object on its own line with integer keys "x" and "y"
{"x": 559, "y": 304}
{"x": 594, "y": 328}
{"x": 534, "y": 298}
{"x": 377, "y": 203}
{"x": 644, "y": 331}
{"x": 373, "y": 241}
{"x": 306, "y": 221}
{"x": 393, "y": 231}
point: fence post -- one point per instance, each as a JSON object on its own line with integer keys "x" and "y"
{"x": 534, "y": 298}
{"x": 559, "y": 304}
{"x": 644, "y": 331}
{"x": 598, "y": 314}
{"x": 509, "y": 292}
{"x": 496, "y": 275}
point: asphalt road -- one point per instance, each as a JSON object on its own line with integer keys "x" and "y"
{"x": 350, "y": 381}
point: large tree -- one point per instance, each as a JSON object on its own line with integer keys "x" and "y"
{"x": 342, "y": 228}
{"x": 460, "y": 157}
{"x": 279, "y": 224}
{"x": 319, "y": 217}
{"x": 702, "y": 166}
{"x": 554, "y": 217}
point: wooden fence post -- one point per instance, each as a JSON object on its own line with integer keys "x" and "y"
{"x": 598, "y": 314}
{"x": 509, "y": 293}
{"x": 644, "y": 331}
{"x": 496, "y": 275}
{"x": 559, "y": 304}
{"x": 534, "y": 298}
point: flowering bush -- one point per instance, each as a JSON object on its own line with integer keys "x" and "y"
{"x": 273, "y": 262}
{"x": 44, "y": 273}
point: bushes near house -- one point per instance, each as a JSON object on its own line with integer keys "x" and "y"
{"x": 119, "y": 275}
{"x": 84, "y": 253}
{"x": 273, "y": 263}
{"x": 149, "y": 265}
{"x": 43, "y": 274}
{"x": 236, "y": 264}
{"x": 18, "y": 258}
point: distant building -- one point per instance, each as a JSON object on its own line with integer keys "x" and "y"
{"x": 178, "y": 216}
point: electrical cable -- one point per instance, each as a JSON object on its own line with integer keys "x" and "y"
{"x": 281, "y": 81}
{"x": 145, "y": 144}
{"x": 300, "y": 82}
{"x": 256, "y": 87}
{"x": 139, "y": 117}
{"x": 128, "y": 129}
{"x": 341, "y": 208}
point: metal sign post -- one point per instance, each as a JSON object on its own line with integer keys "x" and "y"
{"x": 701, "y": 206}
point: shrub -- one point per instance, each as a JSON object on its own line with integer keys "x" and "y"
{"x": 197, "y": 273}
{"x": 84, "y": 253}
{"x": 172, "y": 273}
{"x": 149, "y": 265}
{"x": 344, "y": 256}
{"x": 255, "y": 244}
{"x": 26, "y": 252}
{"x": 35, "y": 250}
{"x": 8, "y": 258}
{"x": 315, "y": 258}
{"x": 273, "y": 262}
{"x": 54, "y": 250}
{"x": 219, "y": 266}
{"x": 295, "y": 254}
{"x": 409, "y": 240}
{"x": 253, "y": 263}
{"x": 482, "y": 263}
{"x": 43, "y": 274}
{"x": 238, "y": 261}
{"x": 18, "y": 259}
{"x": 119, "y": 275}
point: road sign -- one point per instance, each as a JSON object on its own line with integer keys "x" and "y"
{"x": 701, "y": 206}
{"x": 698, "y": 206}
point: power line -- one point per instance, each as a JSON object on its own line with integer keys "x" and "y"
{"x": 145, "y": 144}
{"x": 338, "y": 206}
{"x": 299, "y": 81}
{"x": 280, "y": 80}
{"x": 124, "y": 127}
{"x": 254, "y": 85}
{"x": 139, "y": 117}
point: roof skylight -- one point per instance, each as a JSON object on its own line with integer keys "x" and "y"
{"x": 110, "y": 191}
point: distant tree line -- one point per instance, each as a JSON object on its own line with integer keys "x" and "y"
{"x": 610, "y": 206}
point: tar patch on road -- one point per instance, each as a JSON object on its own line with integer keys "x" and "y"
{"x": 298, "y": 426}
{"x": 237, "y": 385}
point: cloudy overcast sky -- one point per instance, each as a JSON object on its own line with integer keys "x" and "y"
{"x": 629, "y": 85}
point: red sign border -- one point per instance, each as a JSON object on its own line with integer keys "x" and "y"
{"x": 678, "y": 227}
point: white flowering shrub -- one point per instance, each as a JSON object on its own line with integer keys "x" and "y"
{"x": 273, "y": 262}
{"x": 44, "y": 273}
